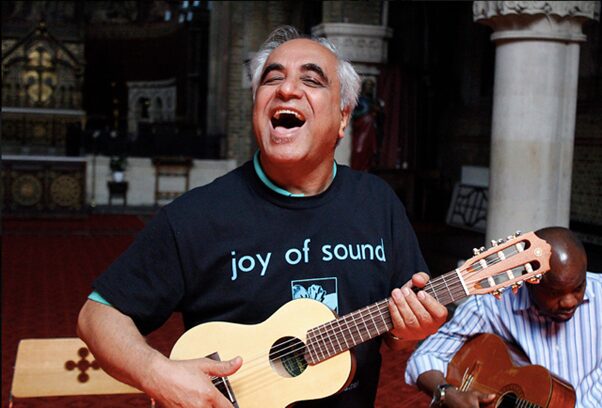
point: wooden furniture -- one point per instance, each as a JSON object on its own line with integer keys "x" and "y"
{"x": 118, "y": 189}
{"x": 60, "y": 367}
{"x": 171, "y": 168}
{"x": 43, "y": 185}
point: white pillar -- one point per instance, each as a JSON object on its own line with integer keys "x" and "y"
{"x": 534, "y": 104}
{"x": 365, "y": 47}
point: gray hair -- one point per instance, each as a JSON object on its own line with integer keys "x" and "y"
{"x": 349, "y": 79}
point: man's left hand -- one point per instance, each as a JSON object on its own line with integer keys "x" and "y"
{"x": 415, "y": 315}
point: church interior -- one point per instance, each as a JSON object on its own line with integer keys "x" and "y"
{"x": 112, "y": 109}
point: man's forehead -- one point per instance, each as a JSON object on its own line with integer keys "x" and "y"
{"x": 303, "y": 51}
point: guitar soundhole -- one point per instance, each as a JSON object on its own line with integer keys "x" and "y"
{"x": 287, "y": 357}
{"x": 508, "y": 400}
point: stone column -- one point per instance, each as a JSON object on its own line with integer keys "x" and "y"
{"x": 534, "y": 104}
{"x": 365, "y": 47}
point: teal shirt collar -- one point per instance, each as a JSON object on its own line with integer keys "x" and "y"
{"x": 262, "y": 176}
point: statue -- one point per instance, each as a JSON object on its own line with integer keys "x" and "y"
{"x": 366, "y": 128}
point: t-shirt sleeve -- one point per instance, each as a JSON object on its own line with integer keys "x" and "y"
{"x": 407, "y": 254}
{"x": 146, "y": 282}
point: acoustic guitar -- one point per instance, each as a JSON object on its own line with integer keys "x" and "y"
{"x": 484, "y": 364}
{"x": 302, "y": 351}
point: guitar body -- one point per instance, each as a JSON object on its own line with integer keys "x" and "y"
{"x": 484, "y": 364}
{"x": 264, "y": 382}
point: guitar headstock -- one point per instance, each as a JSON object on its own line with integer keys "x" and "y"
{"x": 507, "y": 263}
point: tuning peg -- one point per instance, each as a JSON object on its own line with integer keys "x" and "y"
{"x": 517, "y": 233}
{"x": 535, "y": 279}
{"x": 481, "y": 249}
{"x": 500, "y": 241}
{"x": 475, "y": 251}
{"x": 493, "y": 242}
{"x": 509, "y": 237}
{"x": 516, "y": 287}
{"x": 497, "y": 294}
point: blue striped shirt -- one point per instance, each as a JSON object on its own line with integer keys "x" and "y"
{"x": 572, "y": 350}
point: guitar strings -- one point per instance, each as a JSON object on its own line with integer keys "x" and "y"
{"x": 288, "y": 349}
{"x": 520, "y": 402}
{"x": 320, "y": 337}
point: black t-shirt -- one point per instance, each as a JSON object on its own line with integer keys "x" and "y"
{"x": 236, "y": 251}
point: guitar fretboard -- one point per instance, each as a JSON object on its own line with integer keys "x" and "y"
{"x": 338, "y": 335}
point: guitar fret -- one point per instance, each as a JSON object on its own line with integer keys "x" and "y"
{"x": 327, "y": 340}
{"x": 340, "y": 348}
{"x": 374, "y": 309}
{"x": 345, "y": 337}
{"x": 359, "y": 331}
{"x": 449, "y": 291}
{"x": 318, "y": 340}
{"x": 382, "y": 315}
{"x": 429, "y": 286}
{"x": 374, "y": 321}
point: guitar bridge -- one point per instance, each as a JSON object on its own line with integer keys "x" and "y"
{"x": 222, "y": 383}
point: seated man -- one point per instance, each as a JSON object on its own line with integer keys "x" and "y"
{"x": 556, "y": 323}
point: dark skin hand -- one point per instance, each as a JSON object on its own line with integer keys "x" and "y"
{"x": 454, "y": 398}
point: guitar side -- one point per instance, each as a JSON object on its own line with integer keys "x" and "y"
{"x": 486, "y": 360}
{"x": 261, "y": 381}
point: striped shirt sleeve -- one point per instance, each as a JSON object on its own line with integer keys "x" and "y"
{"x": 437, "y": 350}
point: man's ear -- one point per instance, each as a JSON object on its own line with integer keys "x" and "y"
{"x": 345, "y": 116}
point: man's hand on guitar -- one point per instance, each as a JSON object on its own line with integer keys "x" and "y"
{"x": 415, "y": 315}
{"x": 188, "y": 383}
{"x": 454, "y": 398}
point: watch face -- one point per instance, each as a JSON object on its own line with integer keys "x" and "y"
{"x": 439, "y": 395}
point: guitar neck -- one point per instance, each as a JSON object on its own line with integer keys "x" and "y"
{"x": 348, "y": 331}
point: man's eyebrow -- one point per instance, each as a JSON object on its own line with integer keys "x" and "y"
{"x": 272, "y": 67}
{"x": 315, "y": 68}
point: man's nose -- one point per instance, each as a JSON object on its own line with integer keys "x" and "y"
{"x": 289, "y": 89}
{"x": 569, "y": 301}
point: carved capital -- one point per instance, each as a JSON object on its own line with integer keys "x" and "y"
{"x": 357, "y": 42}
{"x": 545, "y": 20}
{"x": 490, "y": 9}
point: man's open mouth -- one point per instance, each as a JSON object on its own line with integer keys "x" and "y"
{"x": 287, "y": 119}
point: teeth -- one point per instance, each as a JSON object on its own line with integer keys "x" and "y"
{"x": 286, "y": 111}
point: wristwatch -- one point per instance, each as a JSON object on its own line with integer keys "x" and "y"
{"x": 439, "y": 395}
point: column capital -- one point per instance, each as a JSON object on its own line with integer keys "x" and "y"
{"x": 544, "y": 20}
{"x": 357, "y": 42}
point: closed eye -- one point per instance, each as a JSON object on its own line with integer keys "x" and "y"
{"x": 271, "y": 80}
{"x": 312, "y": 82}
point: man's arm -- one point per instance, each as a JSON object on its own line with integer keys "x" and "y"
{"x": 123, "y": 352}
{"x": 427, "y": 366}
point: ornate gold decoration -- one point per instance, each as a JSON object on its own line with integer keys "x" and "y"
{"x": 39, "y": 76}
{"x": 27, "y": 190}
{"x": 65, "y": 191}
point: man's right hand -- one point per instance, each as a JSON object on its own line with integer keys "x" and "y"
{"x": 455, "y": 398}
{"x": 188, "y": 383}
{"x": 428, "y": 382}
{"x": 123, "y": 353}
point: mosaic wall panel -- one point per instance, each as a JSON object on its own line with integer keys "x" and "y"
{"x": 43, "y": 187}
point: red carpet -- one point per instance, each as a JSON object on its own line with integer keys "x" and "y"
{"x": 47, "y": 270}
